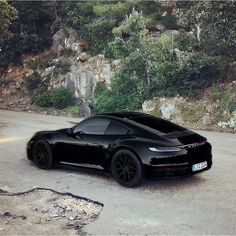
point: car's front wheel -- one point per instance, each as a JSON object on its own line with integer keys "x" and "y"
{"x": 42, "y": 155}
{"x": 127, "y": 168}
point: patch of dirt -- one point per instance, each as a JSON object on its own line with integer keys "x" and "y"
{"x": 44, "y": 211}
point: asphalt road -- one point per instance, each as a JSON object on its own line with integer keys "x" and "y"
{"x": 201, "y": 204}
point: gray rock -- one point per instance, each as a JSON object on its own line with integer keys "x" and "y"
{"x": 160, "y": 27}
{"x": 85, "y": 111}
{"x": 36, "y": 220}
{"x": 116, "y": 63}
{"x": 58, "y": 41}
{"x": 71, "y": 39}
{"x": 72, "y": 217}
{"x": 206, "y": 120}
{"x": 83, "y": 57}
{"x": 107, "y": 73}
{"x": 167, "y": 110}
{"x": 148, "y": 106}
{"x": 210, "y": 108}
{"x": 76, "y": 47}
{"x": 48, "y": 71}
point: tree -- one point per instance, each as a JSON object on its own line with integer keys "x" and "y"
{"x": 218, "y": 26}
{"x": 7, "y": 15}
{"x": 30, "y": 32}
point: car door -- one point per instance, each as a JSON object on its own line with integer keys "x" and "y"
{"x": 87, "y": 141}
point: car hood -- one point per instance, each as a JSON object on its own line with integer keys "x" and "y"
{"x": 48, "y": 133}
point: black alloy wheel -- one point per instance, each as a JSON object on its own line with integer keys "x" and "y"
{"x": 42, "y": 155}
{"x": 126, "y": 168}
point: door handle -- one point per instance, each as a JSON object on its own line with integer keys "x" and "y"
{"x": 78, "y": 137}
{"x": 94, "y": 145}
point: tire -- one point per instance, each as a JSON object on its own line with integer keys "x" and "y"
{"x": 127, "y": 168}
{"x": 42, "y": 155}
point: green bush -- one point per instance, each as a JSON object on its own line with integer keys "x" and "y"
{"x": 186, "y": 41}
{"x": 109, "y": 101}
{"x": 43, "y": 100}
{"x": 232, "y": 104}
{"x": 185, "y": 75}
{"x": 99, "y": 89}
{"x": 170, "y": 21}
{"x": 215, "y": 93}
{"x": 74, "y": 110}
{"x": 121, "y": 96}
{"x": 58, "y": 98}
{"x": 61, "y": 98}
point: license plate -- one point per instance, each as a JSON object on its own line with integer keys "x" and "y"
{"x": 199, "y": 166}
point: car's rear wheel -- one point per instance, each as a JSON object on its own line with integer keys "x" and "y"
{"x": 127, "y": 168}
{"x": 42, "y": 155}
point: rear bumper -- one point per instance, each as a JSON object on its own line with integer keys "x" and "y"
{"x": 177, "y": 169}
{"x": 180, "y": 163}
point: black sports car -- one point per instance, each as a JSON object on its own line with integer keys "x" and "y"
{"x": 129, "y": 144}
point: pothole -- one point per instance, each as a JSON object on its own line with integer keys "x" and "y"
{"x": 45, "y": 211}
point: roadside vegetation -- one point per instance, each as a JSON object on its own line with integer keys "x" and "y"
{"x": 167, "y": 48}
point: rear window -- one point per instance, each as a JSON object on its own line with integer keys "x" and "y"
{"x": 158, "y": 124}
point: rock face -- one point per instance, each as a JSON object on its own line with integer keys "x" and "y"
{"x": 58, "y": 41}
{"x": 85, "y": 71}
{"x": 81, "y": 83}
{"x": 178, "y": 110}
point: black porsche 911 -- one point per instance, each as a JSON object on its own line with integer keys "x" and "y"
{"x": 130, "y": 145}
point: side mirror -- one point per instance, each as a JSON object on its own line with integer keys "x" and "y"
{"x": 79, "y": 135}
{"x": 69, "y": 132}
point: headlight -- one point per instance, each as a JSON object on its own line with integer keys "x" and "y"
{"x": 165, "y": 149}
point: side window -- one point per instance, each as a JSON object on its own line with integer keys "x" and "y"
{"x": 94, "y": 126}
{"x": 116, "y": 129}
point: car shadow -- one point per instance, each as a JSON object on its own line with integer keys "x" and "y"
{"x": 172, "y": 183}
{"x": 149, "y": 184}
{"x": 71, "y": 169}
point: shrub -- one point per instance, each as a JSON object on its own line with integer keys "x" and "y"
{"x": 99, "y": 89}
{"x": 34, "y": 83}
{"x": 121, "y": 96}
{"x": 110, "y": 101}
{"x": 43, "y": 100}
{"x": 59, "y": 98}
{"x": 74, "y": 110}
{"x": 215, "y": 93}
{"x": 232, "y": 104}
{"x": 185, "y": 75}
{"x": 186, "y": 41}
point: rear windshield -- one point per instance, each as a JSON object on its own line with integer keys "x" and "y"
{"x": 158, "y": 124}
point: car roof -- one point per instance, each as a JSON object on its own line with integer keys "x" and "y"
{"x": 123, "y": 114}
